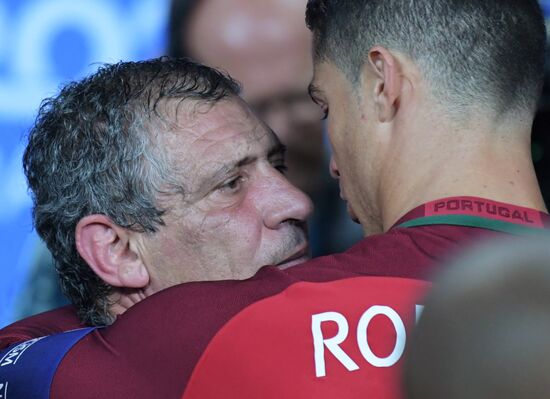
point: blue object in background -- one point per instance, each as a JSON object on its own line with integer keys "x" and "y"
{"x": 42, "y": 45}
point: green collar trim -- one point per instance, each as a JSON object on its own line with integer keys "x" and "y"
{"x": 475, "y": 221}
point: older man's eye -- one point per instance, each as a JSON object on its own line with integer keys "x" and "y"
{"x": 232, "y": 185}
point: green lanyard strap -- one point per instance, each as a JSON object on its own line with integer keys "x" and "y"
{"x": 475, "y": 221}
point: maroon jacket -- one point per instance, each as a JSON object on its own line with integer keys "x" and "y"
{"x": 336, "y": 326}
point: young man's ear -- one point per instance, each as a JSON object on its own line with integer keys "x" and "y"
{"x": 105, "y": 246}
{"x": 385, "y": 68}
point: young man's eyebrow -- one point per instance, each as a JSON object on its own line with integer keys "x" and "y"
{"x": 314, "y": 92}
{"x": 277, "y": 149}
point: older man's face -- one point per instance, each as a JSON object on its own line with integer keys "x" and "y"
{"x": 238, "y": 212}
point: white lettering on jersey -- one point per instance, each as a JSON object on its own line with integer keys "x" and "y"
{"x": 363, "y": 342}
{"x": 332, "y": 344}
{"x": 14, "y": 354}
{"x": 4, "y": 390}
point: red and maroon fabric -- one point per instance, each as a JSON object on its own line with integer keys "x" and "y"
{"x": 336, "y": 326}
{"x": 47, "y": 323}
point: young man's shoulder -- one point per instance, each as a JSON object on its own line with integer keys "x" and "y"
{"x": 401, "y": 252}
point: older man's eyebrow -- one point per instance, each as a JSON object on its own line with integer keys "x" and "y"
{"x": 229, "y": 167}
{"x": 226, "y": 169}
{"x": 217, "y": 176}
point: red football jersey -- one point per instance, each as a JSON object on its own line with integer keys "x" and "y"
{"x": 336, "y": 326}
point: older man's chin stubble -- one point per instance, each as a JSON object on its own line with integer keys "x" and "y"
{"x": 295, "y": 247}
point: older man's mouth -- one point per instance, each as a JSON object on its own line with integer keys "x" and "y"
{"x": 298, "y": 257}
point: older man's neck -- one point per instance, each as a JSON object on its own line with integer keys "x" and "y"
{"x": 124, "y": 298}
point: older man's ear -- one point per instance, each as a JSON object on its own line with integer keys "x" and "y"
{"x": 105, "y": 246}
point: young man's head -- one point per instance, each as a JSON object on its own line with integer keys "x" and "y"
{"x": 389, "y": 74}
{"x": 150, "y": 174}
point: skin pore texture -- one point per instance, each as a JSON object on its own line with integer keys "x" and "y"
{"x": 238, "y": 212}
{"x": 266, "y": 46}
{"x": 395, "y": 148}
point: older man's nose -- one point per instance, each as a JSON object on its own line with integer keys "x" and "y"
{"x": 285, "y": 203}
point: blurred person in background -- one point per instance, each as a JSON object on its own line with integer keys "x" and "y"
{"x": 484, "y": 331}
{"x": 266, "y": 46}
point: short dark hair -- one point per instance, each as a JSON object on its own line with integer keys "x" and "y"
{"x": 91, "y": 151}
{"x": 181, "y": 12}
{"x": 471, "y": 51}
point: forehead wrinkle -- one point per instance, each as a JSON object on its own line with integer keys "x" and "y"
{"x": 275, "y": 148}
{"x": 238, "y": 151}
{"x": 195, "y": 128}
{"x": 193, "y": 167}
